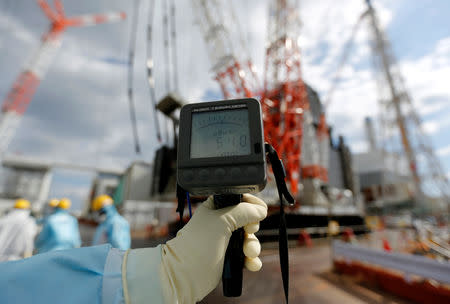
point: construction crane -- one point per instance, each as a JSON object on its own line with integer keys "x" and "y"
{"x": 288, "y": 122}
{"x": 24, "y": 88}
{"x": 345, "y": 54}
{"x": 401, "y": 124}
{"x": 235, "y": 75}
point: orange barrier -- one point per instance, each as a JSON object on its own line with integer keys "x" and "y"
{"x": 304, "y": 239}
{"x": 348, "y": 235}
{"x": 419, "y": 291}
{"x": 386, "y": 246}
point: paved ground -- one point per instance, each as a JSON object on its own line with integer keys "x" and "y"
{"x": 311, "y": 282}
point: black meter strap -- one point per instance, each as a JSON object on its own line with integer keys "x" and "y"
{"x": 181, "y": 198}
{"x": 280, "y": 174}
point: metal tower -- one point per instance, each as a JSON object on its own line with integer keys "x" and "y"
{"x": 287, "y": 119}
{"x": 402, "y": 128}
{"x": 236, "y": 75}
{"x": 23, "y": 89}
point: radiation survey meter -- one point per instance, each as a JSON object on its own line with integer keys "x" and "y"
{"x": 221, "y": 148}
{"x": 221, "y": 152}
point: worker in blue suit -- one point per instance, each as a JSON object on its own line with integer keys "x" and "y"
{"x": 183, "y": 270}
{"x": 60, "y": 230}
{"x": 114, "y": 229}
{"x": 48, "y": 210}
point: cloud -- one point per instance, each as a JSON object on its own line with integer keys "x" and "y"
{"x": 445, "y": 151}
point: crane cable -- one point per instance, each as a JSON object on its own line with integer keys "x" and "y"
{"x": 150, "y": 65}
{"x": 342, "y": 62}
{"x": 165, "y": 29}
{"x": 174, "y": 45}
{"x": 133, "y": 39}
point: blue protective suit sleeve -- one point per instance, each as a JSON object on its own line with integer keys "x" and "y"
{"x": 143, "y": 283}
{"x": 81, "y": 275}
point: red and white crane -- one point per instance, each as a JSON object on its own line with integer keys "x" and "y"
{"x": 235, "y": 74}
{"x": 288, "y": 121}
{"x": 288, "y": 124}
{"x": 24, "y": 88}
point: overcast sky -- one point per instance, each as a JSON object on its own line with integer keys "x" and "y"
{"x": 80, "y": 111}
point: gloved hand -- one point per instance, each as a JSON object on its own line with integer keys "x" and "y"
{"x": 192, "y": 262}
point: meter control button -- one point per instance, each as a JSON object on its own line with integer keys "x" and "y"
{"x": 219, "y": 173}
{"x": 252, "y": 171}
{"x": 188, "y": 175}
{"x": 235, "y": 172}
{"x": 203, "y": 174}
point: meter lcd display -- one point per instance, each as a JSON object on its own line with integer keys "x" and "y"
{"x": 220, "y": 133}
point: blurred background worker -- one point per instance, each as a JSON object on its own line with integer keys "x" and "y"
{"x": 48, "y": 210}
{"x": 114, "y": 229}
{"x": 17, "y": 232}
{"x": 60, "y": 230}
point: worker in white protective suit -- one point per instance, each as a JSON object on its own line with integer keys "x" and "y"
{"x": 184, "y": 270}
{"x": 17, "y": 232}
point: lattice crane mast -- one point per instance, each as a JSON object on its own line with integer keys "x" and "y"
{"x": 401, "y": 124}
{"x": 24, "y": 88}
{"x": 235, "y": 75}
{"x": 288, "y": 121}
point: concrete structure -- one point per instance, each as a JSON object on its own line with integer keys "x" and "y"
{"x": 31, "y": 178}
{"x": 385, "y": 179}
{"x": 31, "y": 182}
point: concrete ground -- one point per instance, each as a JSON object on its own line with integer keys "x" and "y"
{"x": 311, "y": 282}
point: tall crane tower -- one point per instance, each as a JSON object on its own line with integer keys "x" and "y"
{"x": 235, "y": 74}
{"x": 24, "y": 88}
{"x": 288, "y": 122}
{"x": 401, "y": 124}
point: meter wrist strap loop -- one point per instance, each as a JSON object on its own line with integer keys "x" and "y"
{"x": 280, "y": 174}
{"x": 181, "y": 198}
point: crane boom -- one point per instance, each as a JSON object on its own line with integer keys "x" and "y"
{"x": 234, "y": 74}
{"x": 424, "y": 167}
{"x": 21, "y": 93}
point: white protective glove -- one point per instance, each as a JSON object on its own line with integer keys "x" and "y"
{"x": 192, "y": 262}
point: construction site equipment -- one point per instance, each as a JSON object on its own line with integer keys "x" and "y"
{"x": 288, "y": 121}
{"x": 150, "y": 66}
{"x": 24, "y": 88}
{"x": 131, "y": 53}
{"x": 21, "y": 179}
{"x": 395, "y": 272}
{"x": 284, "y": 100}
{"x": 401, "y": 123}
{"x": 343, "y": 60}
{"x": 235, "y": 75}
{"x": 284, "y": 97}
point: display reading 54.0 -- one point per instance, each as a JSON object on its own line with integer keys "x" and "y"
{"x": 220, "y": 133}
